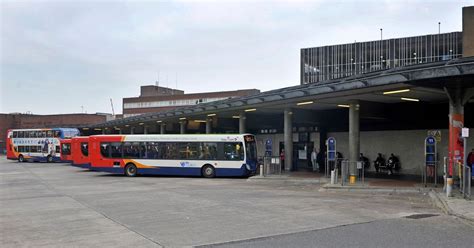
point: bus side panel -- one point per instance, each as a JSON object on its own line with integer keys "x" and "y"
{"x": 170, "y": 171}
{"x": 231, "y": 172}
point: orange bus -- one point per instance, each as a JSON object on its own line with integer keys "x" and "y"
{"x": 80, "y": 151}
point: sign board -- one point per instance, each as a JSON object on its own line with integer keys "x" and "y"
{"x": 465, "y": 132}
{"x": 430, "y": 151}
{"x": 331, "y": 149}
{"x": 436, "y": 134}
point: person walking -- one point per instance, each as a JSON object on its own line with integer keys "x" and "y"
{"x": 314, "y": 156}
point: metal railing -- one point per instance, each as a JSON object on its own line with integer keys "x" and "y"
{"x": 271, "y": 165}
{"x": 332, "y": 165}
{"x": 353, "y": 169}
{"x": 426, "y": 179}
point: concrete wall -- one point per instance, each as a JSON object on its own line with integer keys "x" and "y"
{"x": 407, "y": 145}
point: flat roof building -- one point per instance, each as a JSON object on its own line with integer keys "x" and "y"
{"x": 155, "y": 98}
{"x": 337, "y": 61}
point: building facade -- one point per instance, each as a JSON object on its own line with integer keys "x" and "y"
{"x": 337, "y": 61}
{"x": 157, "y": 99}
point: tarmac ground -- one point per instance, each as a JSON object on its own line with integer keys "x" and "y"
{"x": 57, "y": 205}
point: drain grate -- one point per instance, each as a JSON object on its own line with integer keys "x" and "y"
{"x": 420, "y": 216}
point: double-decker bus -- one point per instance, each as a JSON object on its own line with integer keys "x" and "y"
{"x": 80, "y": 151}
{"x": 66, "y": 155}
{"x": 180, "y": 155}
{"x": 41, "y": 145}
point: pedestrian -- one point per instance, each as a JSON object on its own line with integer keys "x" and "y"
{"x": 470, "y": 161}
{"x": 282, "y": 159}
{"x": 314, "y": 162}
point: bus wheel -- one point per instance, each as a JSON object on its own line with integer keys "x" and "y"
{"x": 49, "y": 159}
{"x": 130, "y": 170}
{"x": 208, "y": 171}
{"x": 21, "y": 159}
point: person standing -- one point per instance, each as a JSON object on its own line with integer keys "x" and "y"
{"x": 314, "y": 156}
{"x": 282, "y": 159}
{"x": 470, "y": 161}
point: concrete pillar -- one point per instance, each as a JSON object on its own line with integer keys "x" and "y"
{"x": 354, "y": 133}
{"x": 182, "y": 127}
{"x": 242, "y": 119}
{"x": 132, "y": 130}
{"x": 209, "y": 125}
{"x": 145, "y": 129}
{"x": 288, "y": 138}
{"x": 456, "y": 122}
{"x": 162, "y": 128}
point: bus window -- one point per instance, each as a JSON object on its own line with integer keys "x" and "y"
{"x": 170, "y": 151}
{"x": 58, "y": 149}
{"x": 42, "y": 134}
{"x": 105, "y": 150}
{"x": 33, "y": 149}
{"x": 85, "y": 149}
{"x": 189, "y": 150}
{"x": 131, "y": 150}
{"x": 21, "y": 134}
{"x": 49, "y": 134}
{"x": 116, "y": 150}
{"x": 15, "y": 134}
{"x": 66, "y": 149}
{"x": 208, "y": 151}
{"x": 57, "y": 134}
{"x": 233, "y": 151}
{"x": 143, "y": 150}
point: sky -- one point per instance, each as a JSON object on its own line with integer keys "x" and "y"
{"x": 74, "y": 56}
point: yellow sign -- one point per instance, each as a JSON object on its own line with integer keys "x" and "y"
{"x": 436, "y": 134}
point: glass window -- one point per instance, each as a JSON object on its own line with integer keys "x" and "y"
{"x": 152, "y": 151}
{"x": 15, "y": 134}
{"x": 190, "y": 150}
{"x": 21, "y": 134}
{"x": 57, "y": 134}
{"x": 49, "y": 133}
{"x": 251, "y": 150}
{"x": 116, "y": 150}
{"x": 131, "y": 150}
{"x": 27, "y": 134}
{"x": 66, "y": 149}
{"x": 233, "y": 151}
{"x": 43, "y": 134}
{"x": 33, "y": 149}
{"x": 105, "y": 150}
{"x": 208, "y": 151}
{"x": 170, "y": 151}
{"x": 85, "y": 148}
{"x": 58, "y": 149}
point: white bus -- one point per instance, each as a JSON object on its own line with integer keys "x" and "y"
{"x": 207, "y": 155}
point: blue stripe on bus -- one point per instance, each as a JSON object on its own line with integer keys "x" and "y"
{"x": 177, "y": 171}
{"x": 85, "y": 166}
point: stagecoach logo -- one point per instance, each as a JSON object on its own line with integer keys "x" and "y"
{"x": 184, "y": 164}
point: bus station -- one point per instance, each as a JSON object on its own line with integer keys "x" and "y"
{"x": 387, "y": 112}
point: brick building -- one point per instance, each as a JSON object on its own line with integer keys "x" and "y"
{"x": 156, "y": 99}
{"x": 17, "y": 120}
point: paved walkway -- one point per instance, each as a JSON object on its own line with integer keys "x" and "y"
{"x": 456, "y": 205}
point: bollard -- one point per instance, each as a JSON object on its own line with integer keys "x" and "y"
{"x": 449, "y": 187}
{"x": 333, "y": 181}
{"x": 261, "y": 170}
